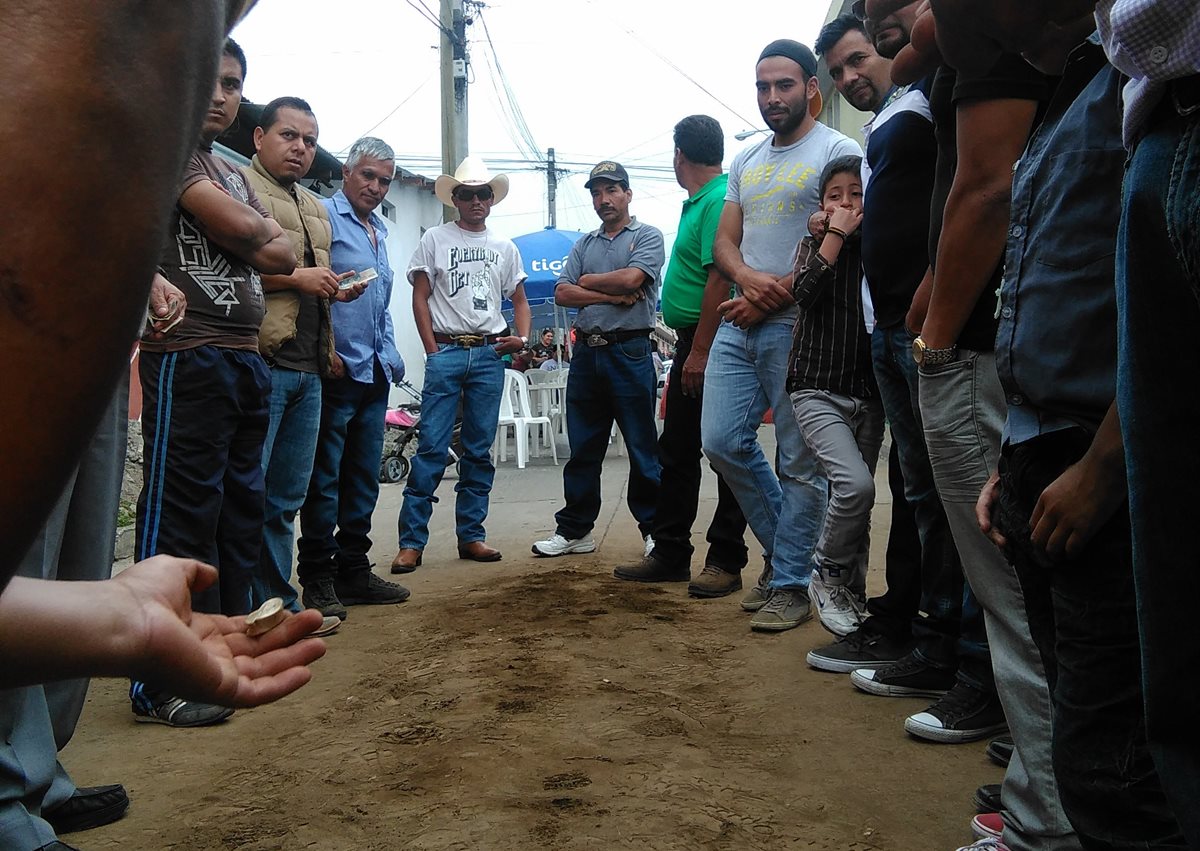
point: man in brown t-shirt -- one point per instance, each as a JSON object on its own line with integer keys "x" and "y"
{"x": 205, "y": 387}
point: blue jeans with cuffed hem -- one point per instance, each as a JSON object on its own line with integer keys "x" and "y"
{"x": 606, "y": 384}
{"x": 1158, "y": 361}
{"x": 295, "y": 419}
{"x": 746, "y": 375}
{"x": 476, "y": 377}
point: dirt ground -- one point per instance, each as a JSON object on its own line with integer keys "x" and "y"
{"x": 541, "y": 704}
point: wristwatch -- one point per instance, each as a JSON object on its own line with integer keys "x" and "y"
{"x": 524, "y": 341}
{"x": 925, "y": 356}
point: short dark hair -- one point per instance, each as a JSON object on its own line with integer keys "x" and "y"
{"x": 836, "y": 30}
{"x": 848, "y": 164}
{"x": 700, "y": 139}
{"x": 270, "y": 113}
{"x": 232, "y": 48}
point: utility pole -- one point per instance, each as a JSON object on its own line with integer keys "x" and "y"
{"x": 454, "y": 87}
{"x": 551, "y": 186}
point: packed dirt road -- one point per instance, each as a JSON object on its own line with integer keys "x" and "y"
{"x": 542, "y": 704}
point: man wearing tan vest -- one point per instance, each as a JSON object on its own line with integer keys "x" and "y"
{"x": 296, "y": 336}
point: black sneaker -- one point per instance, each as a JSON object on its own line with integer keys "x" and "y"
{"x": 320, "y": 595}
{"x": 364, "y": 588}
{"x": 650, "y": 569}
{"x": 999, "y": 750}
{"x": 987, "y": 798}
{"x": 863, "y": 648}
{"x": 910, "y": 677}
{"x": 964, "y": 714}
{"x": 152, "y": 708}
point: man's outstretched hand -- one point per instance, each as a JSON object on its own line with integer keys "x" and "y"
{"x": 210, "y": 657}
{"x": 140, "y": 625}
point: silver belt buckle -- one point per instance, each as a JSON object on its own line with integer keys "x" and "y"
{"x": 596, "y": 340}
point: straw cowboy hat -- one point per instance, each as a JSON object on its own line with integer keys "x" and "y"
{"x": 470, "y": 172}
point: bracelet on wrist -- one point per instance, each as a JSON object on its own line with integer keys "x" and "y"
{"x": 831, "y": 229}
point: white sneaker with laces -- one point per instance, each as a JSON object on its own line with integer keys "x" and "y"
{"x": 835, "y": 605}
{"x": 557, "y": 545}
{"x": 649, "y": 546}
{"x": 991, "y": 843}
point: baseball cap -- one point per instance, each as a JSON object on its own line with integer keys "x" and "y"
{"x": 607, "y": 170}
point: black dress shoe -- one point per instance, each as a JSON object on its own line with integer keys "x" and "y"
{"x": 90, "y": 806}
{"x": 999, "y": 750}
{"x": 987, "y": 798}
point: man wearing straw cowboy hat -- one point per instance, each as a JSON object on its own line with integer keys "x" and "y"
{"x": 460, "y": 273}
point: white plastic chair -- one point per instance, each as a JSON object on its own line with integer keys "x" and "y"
{"x": 550, "y": 392}
{"x": 515, "y": 411}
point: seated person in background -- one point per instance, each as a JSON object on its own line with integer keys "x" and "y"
{"x": 543, "y": 354}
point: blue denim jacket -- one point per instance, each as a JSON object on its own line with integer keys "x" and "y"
{"x": 1056, "y": 345}
{"x": 362, "y": 329}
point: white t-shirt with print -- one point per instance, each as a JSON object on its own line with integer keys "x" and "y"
{"x": 471, "y": 273}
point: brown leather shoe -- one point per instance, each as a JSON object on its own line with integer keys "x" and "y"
{"x": 406, "y": 561}
{"x": 478, "y": 551}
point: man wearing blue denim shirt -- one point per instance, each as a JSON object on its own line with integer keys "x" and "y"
{"x": 612, "y": 276}
{"x": 772, "y": 191}
{"x": 335, "y": 522}
{"x": 1058, "y": 506}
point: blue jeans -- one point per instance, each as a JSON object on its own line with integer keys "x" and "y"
{"x": 1082, "y": 614}
{"x": 607, "y": 383}
{"x": 476, "y": 376}
{"x": 746, "y": 375}
{"x": 1158, "y": 361}
{"x": 335, "y": 522}
{"x": 936, "y": 634}
{"x": 287, "y": 464}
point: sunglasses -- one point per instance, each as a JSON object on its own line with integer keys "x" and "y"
{"x": 484, "y": 193}
{"x": 859, "y": 10}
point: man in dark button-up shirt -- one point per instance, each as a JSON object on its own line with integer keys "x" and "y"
{"x": 1059, "y": 505}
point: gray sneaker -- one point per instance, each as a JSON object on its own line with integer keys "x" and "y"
{"x": 783, "y": 610}
{"x": 760, "y": 593}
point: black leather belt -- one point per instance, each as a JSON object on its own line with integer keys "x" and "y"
{"x": 467, "y": 341}
{"x": 1186, "y": 94}
{"x": 603, "y": 338}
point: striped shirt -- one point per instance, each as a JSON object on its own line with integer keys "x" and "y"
{"x": 831, "y": 349}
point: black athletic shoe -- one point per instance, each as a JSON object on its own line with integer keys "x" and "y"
{"x": 964, "y": 714}
{"x": 863, "y": 648}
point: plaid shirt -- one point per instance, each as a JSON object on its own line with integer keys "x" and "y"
{"x": 1153, "y": 42}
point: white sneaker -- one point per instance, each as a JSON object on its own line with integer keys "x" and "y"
{"x": 649, "y": 546}
{"x": 835, "y": 605}
{"x": 557, "y": 545}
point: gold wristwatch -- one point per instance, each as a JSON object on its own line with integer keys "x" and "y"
{"x": 925, "y": 356}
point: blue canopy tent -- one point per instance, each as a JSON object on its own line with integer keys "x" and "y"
{"x": 544, "y": 253}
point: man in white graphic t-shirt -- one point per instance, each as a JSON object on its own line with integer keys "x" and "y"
{"x": 460, "y": 273}
{"x": 771, "y": 193}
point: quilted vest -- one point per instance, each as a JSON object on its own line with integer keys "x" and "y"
{"x": 298, "y": 213}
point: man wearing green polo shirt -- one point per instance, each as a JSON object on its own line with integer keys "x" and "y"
{"x": 692, "y": 289}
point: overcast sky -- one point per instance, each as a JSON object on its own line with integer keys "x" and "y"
{"x": 594, "y": 80}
